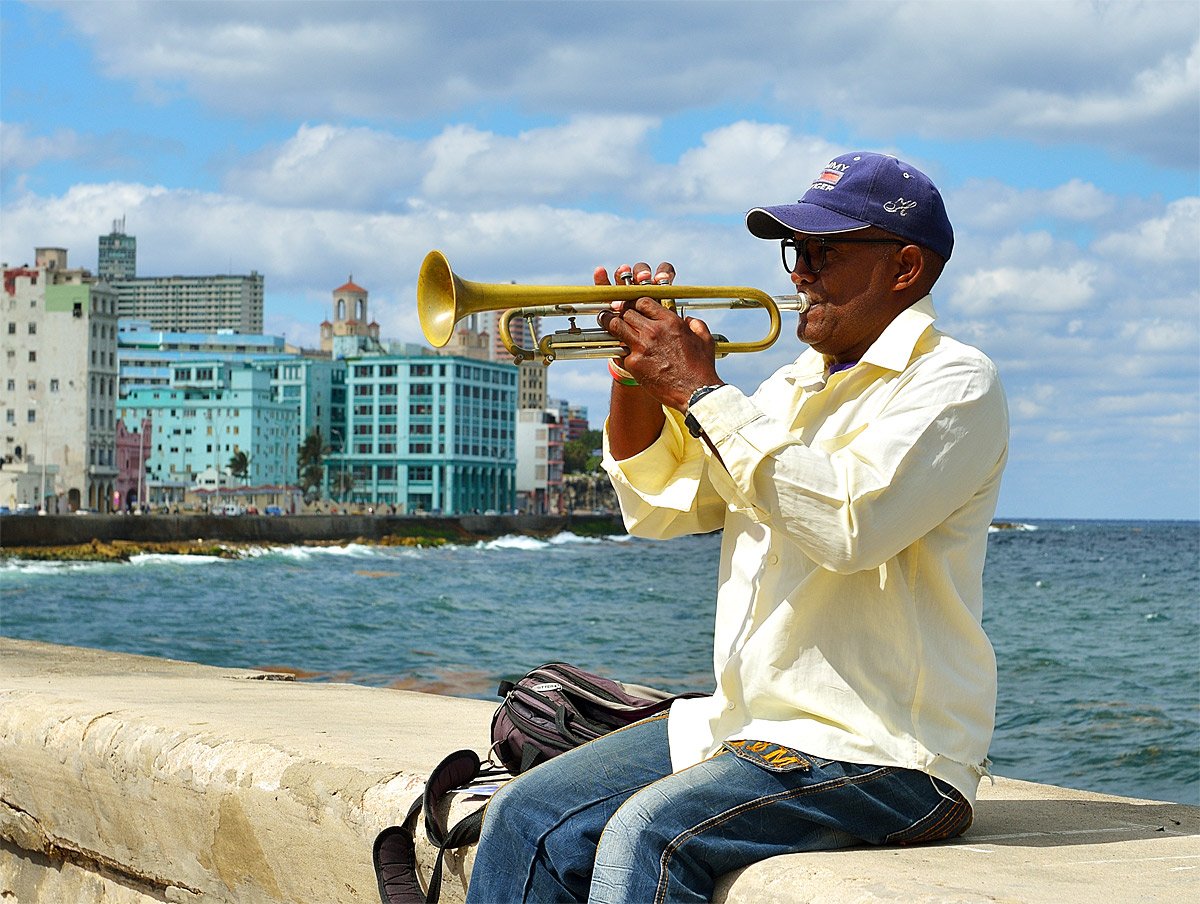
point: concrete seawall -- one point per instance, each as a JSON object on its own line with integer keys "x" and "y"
{"x": 128, "y": 780}
{"x": 68, "y": 530}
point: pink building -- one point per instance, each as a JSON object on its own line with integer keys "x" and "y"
{"x": 133, "y": 448}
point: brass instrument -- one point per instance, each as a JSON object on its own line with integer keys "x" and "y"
{"x": 443, "y": 299}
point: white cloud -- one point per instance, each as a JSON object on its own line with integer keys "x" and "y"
{"x": 1115, "y": 74}
{"x": 1173, "y": 237}
{"x": 739, "y": 166}
{"x": 1041, "y": 290}
{"x": 331, "y": 166}
{"x": 584, "y": 156}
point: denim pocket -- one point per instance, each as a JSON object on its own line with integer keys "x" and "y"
{"x": 948, "y": 819}
{"x": 767, "y": 755}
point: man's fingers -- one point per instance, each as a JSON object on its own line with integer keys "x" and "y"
{"x": 698, "y": 327}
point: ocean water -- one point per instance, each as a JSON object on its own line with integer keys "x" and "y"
{"x": 1096, "y": 627}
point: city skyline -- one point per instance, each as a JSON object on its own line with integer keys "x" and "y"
{"x": 532, "y": 142}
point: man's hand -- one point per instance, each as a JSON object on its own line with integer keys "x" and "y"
{"x": 670, "y": 356}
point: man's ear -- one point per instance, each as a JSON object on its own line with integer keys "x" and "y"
{"x": 910, "y": 266}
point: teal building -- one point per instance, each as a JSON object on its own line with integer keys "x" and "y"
{"x": 427, "y": 433}
{"x": 209, "y": 413}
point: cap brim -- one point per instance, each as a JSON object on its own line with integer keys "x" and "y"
{"x": 780, "y": 222}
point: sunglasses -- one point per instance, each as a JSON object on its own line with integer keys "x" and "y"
{"x": 813, "y": 249}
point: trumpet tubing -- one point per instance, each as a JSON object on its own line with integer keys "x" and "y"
{"x": 444, "y": 298}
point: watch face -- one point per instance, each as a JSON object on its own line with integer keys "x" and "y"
{"x": 701, "y": 393}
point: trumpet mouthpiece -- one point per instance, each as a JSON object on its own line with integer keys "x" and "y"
{"x": 798, "y": 302}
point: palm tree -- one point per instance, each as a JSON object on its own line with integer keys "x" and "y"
{"x": 239, "y": 465}
{"x": 310, "y": 463}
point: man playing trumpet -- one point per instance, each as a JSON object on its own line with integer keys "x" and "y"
{"x": 855, "y": 687}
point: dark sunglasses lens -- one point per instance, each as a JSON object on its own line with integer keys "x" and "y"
{"x": 789, "y": 255}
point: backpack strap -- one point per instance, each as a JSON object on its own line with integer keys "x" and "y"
{"x": 394, "y": 853}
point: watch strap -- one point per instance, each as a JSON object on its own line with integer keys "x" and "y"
{"x": 689, "y": 419}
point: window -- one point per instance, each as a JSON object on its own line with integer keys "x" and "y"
{"x": 12, "y": 385}
{"x": 54, "y": 385}
{"x": 32, "y": 357}
{"x": 12, "y": 328}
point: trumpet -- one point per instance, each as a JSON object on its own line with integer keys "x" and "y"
{"x": 444, "y": 298}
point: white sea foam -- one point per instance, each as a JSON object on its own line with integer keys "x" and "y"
{"x": 512, "y": 541}
{"x": 566, "y": 537}
{"x": 37, "y": 566}
{"x": 520, "y": 541}
{"x": 1010, "y": 525}
{"x": 159, "y": 558}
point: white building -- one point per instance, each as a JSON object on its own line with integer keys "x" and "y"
{"x": 540, "y": 439}
{"x": 58, "y": 330}
{"x": 194, "y": 304}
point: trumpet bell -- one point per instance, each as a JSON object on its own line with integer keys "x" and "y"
{"x": 437, "y": 294}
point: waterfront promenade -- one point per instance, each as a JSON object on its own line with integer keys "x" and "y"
{"x": 131, "y": 779}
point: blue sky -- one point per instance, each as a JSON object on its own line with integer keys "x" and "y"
{"x": 534, "y": 141}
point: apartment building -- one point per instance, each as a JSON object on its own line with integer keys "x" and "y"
{"x": 145, "y": 355}
{"x": 193, "y": 304}
{"x": 209, "y": 413}
{"x": 58, "y": 343}
{"x": 540, "y": 438}
{"x": 427, "y": 433}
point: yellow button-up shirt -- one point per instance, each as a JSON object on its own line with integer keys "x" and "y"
{"x": 855, "y": 508}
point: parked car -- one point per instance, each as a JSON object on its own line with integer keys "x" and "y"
{"x": 231, "y": 510}
{"x": 273, "y": 510}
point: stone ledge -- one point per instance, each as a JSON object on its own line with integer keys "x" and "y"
{"x": 133, "y": 779}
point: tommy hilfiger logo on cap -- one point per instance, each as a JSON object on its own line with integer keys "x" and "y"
{"x": 830, "y": 177}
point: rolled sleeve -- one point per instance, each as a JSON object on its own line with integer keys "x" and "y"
{"x": 663, "y": 490}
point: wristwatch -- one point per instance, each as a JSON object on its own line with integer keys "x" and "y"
{"x": 689, "y": 419}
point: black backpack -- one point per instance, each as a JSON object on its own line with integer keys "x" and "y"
{"x": 552, "y": 709}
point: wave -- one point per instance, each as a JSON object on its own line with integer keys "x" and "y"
{"x": 998, "y": 526}
{"x": 521, "y": 541}
{"x": 308, "y": 553}
{"x": 49, "y": 566}
{"x": 162, "y": 558}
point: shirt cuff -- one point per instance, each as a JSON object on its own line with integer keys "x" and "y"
{"x": 723, "y": 412}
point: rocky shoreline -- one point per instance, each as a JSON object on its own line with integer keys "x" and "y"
{"x": 124, "y": 550}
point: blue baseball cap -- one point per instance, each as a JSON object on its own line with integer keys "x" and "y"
{"x": 858, "y": 190}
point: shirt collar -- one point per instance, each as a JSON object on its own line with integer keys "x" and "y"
{"x": 892, "y": 350}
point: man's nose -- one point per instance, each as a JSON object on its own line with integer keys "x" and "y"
{"x": 801, "y": 274}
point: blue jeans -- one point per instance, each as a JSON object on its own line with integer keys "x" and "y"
{"x": 610, "y": 822}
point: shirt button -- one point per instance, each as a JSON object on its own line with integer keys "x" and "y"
{"x": 731, "y": 706}
{"x": 772, "y": 559}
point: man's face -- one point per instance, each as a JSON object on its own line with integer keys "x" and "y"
{"x": 850, "y": 294}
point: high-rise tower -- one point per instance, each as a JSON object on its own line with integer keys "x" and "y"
{"x": 118, "y": 254}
